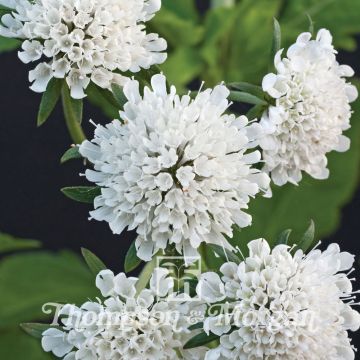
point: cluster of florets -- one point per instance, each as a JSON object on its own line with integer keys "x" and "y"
{"x": 279, "y": 305}
{"x": 127, "y": 325}
{"x": 179, "y": 171}
{"x": 84, "y": 40}
{"x": 311, "y": 111}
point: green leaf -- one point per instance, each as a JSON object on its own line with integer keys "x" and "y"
{"x": 84, "y": 194}
{"x": 30, "y": 280}
{"x": 308, "y": 238}
{"x": 225, "y": 254}
{"x": 247, "y": 98}
{"x": 70, "y": 154}
{"x": 49, "y": 99}
{"x": 182, "y": 66}
{"x": 93, "y": 262}
{"x": 256, "y": 112}
{"x": 8, "y": 44}
{"x": 119, "y": 95}
{"x": 320, "y": 200}
{"x": 276, "y": 42}
{"x": 104, "y": 100}
{"x": 177, "y": 31}
{"x": 340, "y": 16}
{"x": 35, "y": 329}
{"x": 200, "y": 340}
{"x": 10, "y": 243}
{"x": 131, "y": 259}
{"x": 184, "y": 9}
{"x": 16, "y": 345}
{"x": 284, "y": 237}
{"x": 248, "y": 88}
{"x": 197, "y": 326}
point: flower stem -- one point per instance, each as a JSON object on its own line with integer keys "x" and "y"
{"x": 73, "y": 115}
{"x": 204, "y": 255}
{"x": 145, "y": 274}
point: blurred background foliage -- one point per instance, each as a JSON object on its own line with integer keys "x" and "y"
{"x": 230, "y": 41}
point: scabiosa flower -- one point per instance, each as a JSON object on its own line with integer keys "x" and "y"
{"x": 282, "y": 306}
{"x": 127, "y": 325}
{"x": 178, "y": 171}
{"x": 84, "y": 40}
{"x": 311, "y": 109}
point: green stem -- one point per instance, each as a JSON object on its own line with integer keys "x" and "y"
{"x": 146, "y": 274}
{"x": 203, "y": 253}
{"x": 73, "y": 115}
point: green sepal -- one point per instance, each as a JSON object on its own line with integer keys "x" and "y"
{"x": 308, "y": 238}
{"x": 284, "y": 237}
{"x": 276, "y": 41}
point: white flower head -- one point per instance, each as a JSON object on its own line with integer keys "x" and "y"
{"x": 281, "y": 305}
{"x": 125, "y": 326}
{"x": 179, "y": 171}
{"x": 310, "y": 112}
{"x": 84, "y": 40}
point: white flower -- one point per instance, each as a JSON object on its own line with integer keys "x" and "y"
{"x": 179, "y": 171}
{"x": 83, "y": 40}
{"x": 281, "y": 305}
{"x": 310, "y": 112}
{"x": 126, "y": 325}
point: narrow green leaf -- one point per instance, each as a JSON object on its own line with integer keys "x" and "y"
{"x": 70, "y": 154}
{"x": 224, "y": 254}
{"x": 307, "y": 239}
{"x": 119, "y": 95}
{"x": 284, "y": 237}
{"x": 276, "y": 43}
{"x": 199, "y": 340}
{"x": 103, "y": 99}
{"x": 35, "y": 329}
{"x": 249, "y": 88}
{"x": 93, "y": 262}
{"x": 255, "y": 112}
{"x": 84, "y": 194}
{"x": 49, "y": 100}
{"x": 10, "y": 243}
{"x": 247, "y": 98}
{"x": 131, "y": 259}
{"x": 197, "y": 326}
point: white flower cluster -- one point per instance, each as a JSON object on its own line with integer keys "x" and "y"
{"x": 282, "y": 306}
{"x": 127, "y": 325}
{"x": 311, "y": 109}
{"x": 85, "y": 40}
{"x": 178, "y": 171}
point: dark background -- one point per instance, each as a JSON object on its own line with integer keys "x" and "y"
{"x": 31, "y": 176}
